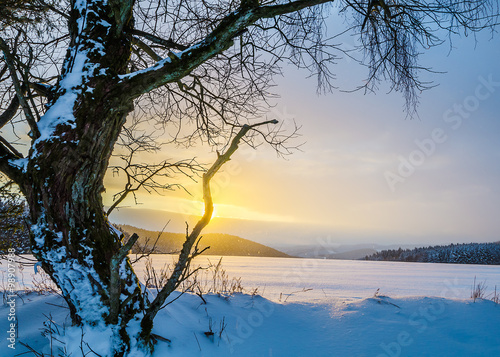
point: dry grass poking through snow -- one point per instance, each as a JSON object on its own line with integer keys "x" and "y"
{"x": 212, "y": 279}
{"x": 40, "y": 284}
{"x": 478, "y": 291}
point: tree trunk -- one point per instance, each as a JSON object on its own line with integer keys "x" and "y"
{"x": 71, "y": 235}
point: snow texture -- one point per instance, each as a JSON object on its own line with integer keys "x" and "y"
{"x": 153, "y": 68}
{"x": 245, "y": 325}
{"x": 72, "y": 85}
{"x": 73, "y": 276}
{"x": 20, "y": 163}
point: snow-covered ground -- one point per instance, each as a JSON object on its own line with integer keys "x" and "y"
{"x": 348, "y": 279}
{"x": 421, "y": 310}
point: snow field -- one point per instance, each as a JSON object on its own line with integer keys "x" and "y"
{"x": 427, "y": 312}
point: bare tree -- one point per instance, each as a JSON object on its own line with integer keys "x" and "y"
{"x": 198, "y": 71}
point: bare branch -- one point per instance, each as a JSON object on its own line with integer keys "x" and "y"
{"x": 146, "y": 49}
{"x": 185, "y": 256}
{"x": 115, "y": 281}
{"x": 159, "y": 41}
{"x": 19, "y": 90}
{"x": 10, "y": 112}
{"x": 7, "y": 156}
{"x": 11, "y": 148}
{"x": 100, "y": 70}
{"x": 150, "y": 177}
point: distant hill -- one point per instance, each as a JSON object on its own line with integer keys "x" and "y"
{"x": 336, "y": 251}
{"x": 470, "y": 253}
{"x": 322, "y": 253}
{"x": 353, "y": 254}
{"x": 220, "y": 244}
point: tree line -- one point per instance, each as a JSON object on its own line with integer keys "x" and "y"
{"x": 467, "y": 253}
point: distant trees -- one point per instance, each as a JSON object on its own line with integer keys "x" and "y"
{"x": 470, "y": 253}
{"x": 79, "y": 77}
{"x": 13, "y": 229}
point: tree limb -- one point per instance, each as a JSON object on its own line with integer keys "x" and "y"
{"x": 185, "y": 255}
{"x": 10, "y": 112}
{"x": 115, "y": 281}
{"x": 6, "y": 156}
{"x": 55, "y": 9}
{"x": 121, "y": 12}
{"x": 19, "y": 90}
{"x": 159, "y": 41}
{"x": 42, "y": 89}
{"x": 146, "y": 49}
{"x": 11, "y": 148}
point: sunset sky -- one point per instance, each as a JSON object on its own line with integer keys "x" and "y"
{"x": 366, "y": 173}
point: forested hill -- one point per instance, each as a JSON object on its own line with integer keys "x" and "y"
{"x": 470, "y": 253}
{"x": 220, "y": 244}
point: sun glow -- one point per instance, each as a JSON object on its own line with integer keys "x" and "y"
{"x": 202, "y": 210}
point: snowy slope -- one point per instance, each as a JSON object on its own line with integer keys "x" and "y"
{"x": 254, "y": 326}
{"x": 370, "y": 327}
{"x": 344, "y": 325}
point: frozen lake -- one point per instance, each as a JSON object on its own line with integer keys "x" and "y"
{"x": 347, "y": 279}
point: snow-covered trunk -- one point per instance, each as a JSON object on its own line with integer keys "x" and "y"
{"x": 71, "y": 235}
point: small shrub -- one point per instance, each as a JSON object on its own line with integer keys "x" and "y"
{"x": 478, "y": 290}
{"x": 42, "y": 284}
